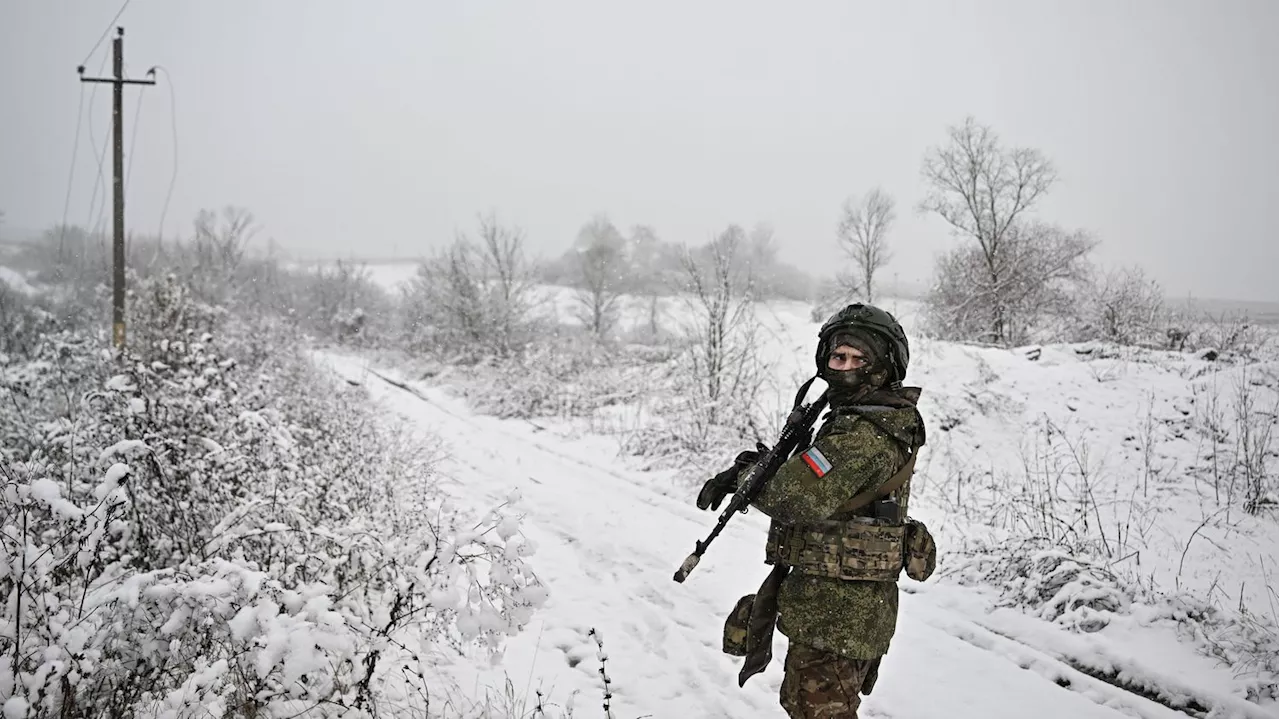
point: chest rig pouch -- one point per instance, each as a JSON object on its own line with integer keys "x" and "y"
{"x": 858, "y": 549}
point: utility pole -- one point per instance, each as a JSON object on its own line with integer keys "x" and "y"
{"x": 117, "y": 122}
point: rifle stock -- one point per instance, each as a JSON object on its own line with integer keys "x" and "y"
{"x": 753, "y": 482}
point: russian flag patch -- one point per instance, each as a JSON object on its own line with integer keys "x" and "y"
{"x": 816, "y": 461}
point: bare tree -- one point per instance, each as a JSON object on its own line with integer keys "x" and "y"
{"x": 982, "y": 190}
{"x": 220, "y": 242}
{"x": 645, "y": 272}
{"x": 508, "y": 273}
{"x": 601, "y": 263}
{"x": 832, "y": 294}
{"x": 475, "y": 296}
{"x": 1037, "y": 273}
{"x": 1127, "y": 306}
{"x": 863, "y": 230}
{"x": 725, "y": 369}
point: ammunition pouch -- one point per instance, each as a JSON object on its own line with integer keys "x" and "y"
{"x": 735, "y": 628}
{"x": 920, "y": 552}
{"x": 859, "y": 549}
{"x": 862, "y": 549}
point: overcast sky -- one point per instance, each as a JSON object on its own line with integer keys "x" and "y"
{"x": 358, "y": 128}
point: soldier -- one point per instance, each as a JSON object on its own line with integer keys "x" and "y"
{"x": 838, "y": 535}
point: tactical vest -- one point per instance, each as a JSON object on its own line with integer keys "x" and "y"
{"x": 858, "y": 549}
{"x": 863, "y": 549}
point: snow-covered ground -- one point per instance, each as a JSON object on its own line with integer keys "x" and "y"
{"x": 1130, "y": 453}
{"x": 609, "y": 538}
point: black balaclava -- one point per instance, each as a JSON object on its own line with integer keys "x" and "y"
{"x": 849, "y": 386}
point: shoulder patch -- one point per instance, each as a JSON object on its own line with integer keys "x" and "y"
{"x": 816, "y": 461}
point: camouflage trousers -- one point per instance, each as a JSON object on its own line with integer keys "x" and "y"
{"x": 824, "y": 685}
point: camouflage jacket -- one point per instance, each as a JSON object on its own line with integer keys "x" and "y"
{"x": 865, "y": 446}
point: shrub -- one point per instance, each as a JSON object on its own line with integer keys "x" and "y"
{"x": 206, "y": 521}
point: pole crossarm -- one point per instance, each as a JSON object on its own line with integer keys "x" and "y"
{"x": 113, "y": 81}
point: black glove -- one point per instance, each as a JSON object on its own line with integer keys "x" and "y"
{"x": 722, "y": 485}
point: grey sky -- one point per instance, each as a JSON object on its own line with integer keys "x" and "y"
{"x": 381, "y": 127}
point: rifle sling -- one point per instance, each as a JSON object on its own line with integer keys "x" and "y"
{"x": 862, "y": 499}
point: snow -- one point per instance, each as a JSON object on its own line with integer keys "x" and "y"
{"x": 15, "y": 281}
{"x": 610, "y": 536}
{"x": 120, "y": 383}
{"x": 15, "y": 708}
{"x": 125, "y": 447}
{"x": 48, "y": 492}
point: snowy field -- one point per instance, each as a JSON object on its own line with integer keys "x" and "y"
{"x": 1117, "y": 445}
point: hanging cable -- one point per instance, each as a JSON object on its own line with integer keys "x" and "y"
{"x": 102, "y": 156}
{"x": 133, "y": 137}
{"x": 71, "y": 174}
{"x": 105, "y": 31}
{"x": 173, "y": 118}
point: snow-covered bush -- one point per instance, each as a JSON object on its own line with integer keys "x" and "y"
{"x": 564, "y": 374}
{"x": 1236, "y": 414}
{"x": 22, "y": 321}
{"x": 309, "y": 626}
{"x": 205, "y": 523}
{"x": 721, "y": 371}
{"x": 1050, "y": 583}
{"x": 1119, "y": 306}
{"x": 1225, "y": 334}
{"x": 473, "y": 299}
{"x": 1084, "y": 595}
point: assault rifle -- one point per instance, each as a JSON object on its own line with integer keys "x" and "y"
{"x": 752, "y": 482}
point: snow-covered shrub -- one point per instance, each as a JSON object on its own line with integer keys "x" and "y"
{"x": 89, "y": 632}
{"x": 22, "y": 321}
{"x": 1005, "y": 298}
{"x": 215, "y": 526}
{"x": 565, "y": 374}
{"x": 1085, "y": 595}
{"x": 1228, "y": 334}
{"x": 1050, "y": 583}
{"x": 341, "y": 302}
{"x": 472, "y": 299}
{"x": 1236, "y": 414}
{"x": 720, "y": 373}
{"x": 1119, "y": 305}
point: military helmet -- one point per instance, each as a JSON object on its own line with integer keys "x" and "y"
{"x": 873, "y": 319}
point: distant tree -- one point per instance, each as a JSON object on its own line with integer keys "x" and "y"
{"x": 218, "y": 249}
{"x": 864, "y": 226}
{"x": 1037, "y": 274}
{"x": 601, "y": 253}
{"x": 474, "y": 296}
{"x": 983, "y": 190}
{"x": 724, "y": 369}
{"x": 645, "y": 276}
{"x": 1126, "y": 305}
{"x": 221, "y": 241}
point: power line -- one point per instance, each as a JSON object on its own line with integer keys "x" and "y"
{"x": 101, "y": 156}
{"x": 105, "y": 31}
{"x": 133, "y": 138}
{"x": 173, "y": 120}
{"x": 71, "y": 174}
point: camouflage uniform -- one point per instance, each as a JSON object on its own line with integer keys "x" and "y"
{"x": 839, "y": 627}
